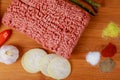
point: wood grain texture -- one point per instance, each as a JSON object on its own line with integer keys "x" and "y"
{"x": 90, "y": 41}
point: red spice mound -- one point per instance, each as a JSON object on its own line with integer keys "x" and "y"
{"x": 109, "y": 51}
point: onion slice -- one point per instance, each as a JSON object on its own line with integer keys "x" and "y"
{"x": 45, "y": 62}
{"x": 59, "y": 68}
{"x": 31, "y": 60}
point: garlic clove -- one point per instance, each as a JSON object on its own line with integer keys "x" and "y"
{"x": 8, "y": 54}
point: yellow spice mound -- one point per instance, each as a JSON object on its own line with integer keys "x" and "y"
{"x": 112, "y": 30}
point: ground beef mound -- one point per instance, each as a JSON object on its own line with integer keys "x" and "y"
{"x": 55, "y": 24}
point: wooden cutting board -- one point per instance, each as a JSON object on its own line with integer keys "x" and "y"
{"x": 90, "y": 41}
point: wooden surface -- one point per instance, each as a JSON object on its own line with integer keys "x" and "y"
{"x": 90, "y": 41}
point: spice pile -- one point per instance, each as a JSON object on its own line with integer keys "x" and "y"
{"x": 93, "y": 58}
{"x": 108, "y": 52}
{"x": 107, "y": 65}
{"x": 111, "y": 31}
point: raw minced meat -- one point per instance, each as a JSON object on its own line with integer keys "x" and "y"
{"x": 55, "y": 24}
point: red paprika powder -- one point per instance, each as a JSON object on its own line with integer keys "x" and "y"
{"x": 109, "y": 51}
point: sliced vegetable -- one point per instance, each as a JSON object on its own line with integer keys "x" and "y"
{"x": 109, "y": 51}
{"x": 82, "y": 6}
{"x": 8, "y": 54}
{"x": 45, "y": 62}
{"x": 31, "y": 60}
{"x": 4, "y": 36}
{"x": 59, "y": 68}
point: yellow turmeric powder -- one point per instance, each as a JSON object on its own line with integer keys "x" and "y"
{"x": 112, "y": 30}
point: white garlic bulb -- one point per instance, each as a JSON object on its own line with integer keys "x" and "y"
{"x": 8, "y": 54}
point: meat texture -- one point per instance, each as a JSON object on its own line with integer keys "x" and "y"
{"x": 55, "y": 24}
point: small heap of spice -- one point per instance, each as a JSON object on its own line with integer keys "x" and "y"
{"x": 112, "y": 30}
{"x": 93, "y": 57}
{"x": 109, "y": 51}
{"x": 107, "y": 65}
